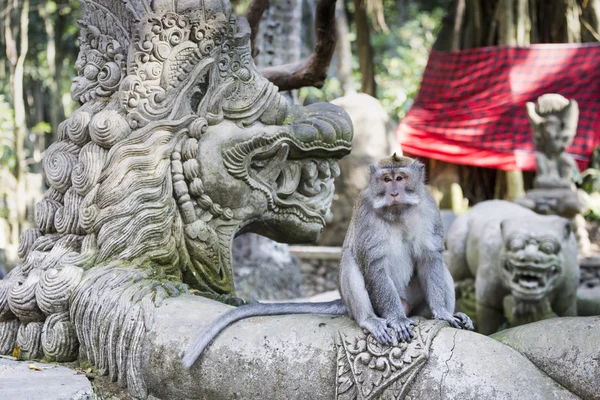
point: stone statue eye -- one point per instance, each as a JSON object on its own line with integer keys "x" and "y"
{"x": 516, "y": 243}
{"x": 549, "y": 246}
{"x": 399, "y": 178}
{"x": 387, "y": 179}
{"x": 91, "y": 72}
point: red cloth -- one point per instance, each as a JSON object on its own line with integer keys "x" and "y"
{"x": 471, "y": 105}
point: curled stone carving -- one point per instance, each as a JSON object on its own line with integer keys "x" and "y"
{"x": 368, "y": 370}
{"x": 55, "y": 288}
{"x": 13, "y": 278}
{"x": 87, "y": 171}
{"x": 66, "y": 219}
{"x": 21, "y": 299}
{"x": 27, "y": 239}
{"x": 108, "y": 128}
{"x": 45, "y": 211}
{"x": 179, "y": 144}
{"x": 58, "y": 163}
{"x": 29, "y": 340}
{"x": 8, "y": 335}
{"x": 59, "y": 341}
{"x": 76, "y": 128}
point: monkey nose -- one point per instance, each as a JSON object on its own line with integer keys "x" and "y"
{"x": 394, "y": 194}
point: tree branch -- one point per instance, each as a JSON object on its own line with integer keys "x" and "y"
{"x": 313, "y": 70}
{"x": 254, "y": 13}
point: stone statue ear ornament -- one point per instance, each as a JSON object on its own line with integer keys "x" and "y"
{"x": 570, "y": 116}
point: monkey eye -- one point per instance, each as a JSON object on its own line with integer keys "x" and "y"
{"x": 387, "y": 179}
{"x": 399, "y": 178}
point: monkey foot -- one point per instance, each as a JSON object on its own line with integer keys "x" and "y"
{"x": 453, "y": 320}
{"x": 378, "y": 328}
{"x": 401, "y": 327}
{"x": 464, "y": 321}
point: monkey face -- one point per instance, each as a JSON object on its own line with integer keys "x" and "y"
{"x": 395, "y": 188}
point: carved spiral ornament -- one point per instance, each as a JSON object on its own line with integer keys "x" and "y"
{"x": 59, "y": 339}
{"x": 108, "y": 128}
{"x": 109, "y": 77}
{"x": 76, "y": 128}
{"x": 45, "y": 210}
{"x": 27, "y": 239}
{"x": 88, "y": 169}
{"x": 55, "y": 288}
{"x": 66, "y": 219}
{"x": 58, "y": 163}
{"x": 8, "y": 335}
{"x": 6, "y": 285}
{"x": 22, "y": 301}
{"x": 29, "y": 340}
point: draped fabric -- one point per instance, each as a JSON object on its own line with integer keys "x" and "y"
{"x": 471, "y": 105}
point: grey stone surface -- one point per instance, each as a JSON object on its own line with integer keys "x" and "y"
{"x": 53, "y": 382}
{"x": 567, "y": 349}
{"x": 524, "y": 264}
{"x": 264, "y": 269}
{"x": 467, "y": 365}
{"x": 302, "y": 357}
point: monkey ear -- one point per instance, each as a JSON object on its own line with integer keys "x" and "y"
{"x": 372, "y": 169}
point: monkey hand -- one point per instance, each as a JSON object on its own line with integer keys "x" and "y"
{"x": 401, "y": 327}
{"x": 464, "y": 321}
{"x": 378, "y": 328}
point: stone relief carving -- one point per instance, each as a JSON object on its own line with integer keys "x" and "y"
{"x": 367, "y": 370}
{"x": 554, "y": 123}
{"x": 178, "y": 145}
{"x": 524, "y": 264}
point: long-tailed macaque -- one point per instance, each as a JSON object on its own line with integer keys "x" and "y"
{"x": 391, "y": 266}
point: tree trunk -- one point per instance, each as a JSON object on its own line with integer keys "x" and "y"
{"x": 16, "y": 60}
{"x": 279, "y": 39}
{"x": 56, "y": 109}
{"x": 343, "y": 52}
{"x": 364, "y": 50}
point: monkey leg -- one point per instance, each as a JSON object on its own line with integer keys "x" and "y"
{"x": 356, "y": 298}
{"x": 386, "y": 299}
{"x": 438, "y": 287}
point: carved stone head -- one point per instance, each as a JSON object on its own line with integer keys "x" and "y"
{"x": 534, "y": 255}
{"x": 554, "y": 122}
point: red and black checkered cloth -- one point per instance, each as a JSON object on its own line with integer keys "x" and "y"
{"x": 471, "y": 105}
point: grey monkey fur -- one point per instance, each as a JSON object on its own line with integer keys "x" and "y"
{"x": 391, "y": 263}
{"x": 511, "y": 251}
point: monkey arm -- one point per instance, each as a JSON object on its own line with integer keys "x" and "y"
{"x": 438, "y": 286}
{"x": 386, "y": 298}
{"x": 356, "y": 298}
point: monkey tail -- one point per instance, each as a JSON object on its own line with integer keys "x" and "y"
{"x": 335, "y": 307}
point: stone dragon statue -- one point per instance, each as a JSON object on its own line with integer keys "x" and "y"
{"x": 179, "y": 144}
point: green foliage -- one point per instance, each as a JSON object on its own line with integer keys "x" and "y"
{"x": 401, "y": 57}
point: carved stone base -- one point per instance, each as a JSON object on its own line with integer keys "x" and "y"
{"x": 314, "y": 357}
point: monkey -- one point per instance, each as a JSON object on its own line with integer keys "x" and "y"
{"x": 391, "y": 263}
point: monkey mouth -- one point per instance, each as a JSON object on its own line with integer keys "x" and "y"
{"x": 297, "y": 177}
{"x": 531, "y": 281}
